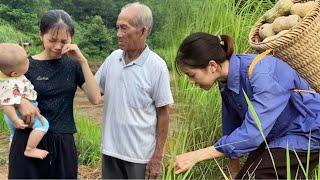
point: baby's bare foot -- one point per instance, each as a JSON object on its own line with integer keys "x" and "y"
{"x": 36, "y": 153}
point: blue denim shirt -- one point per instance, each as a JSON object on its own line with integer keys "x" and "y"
{"x": 287, "y": 117}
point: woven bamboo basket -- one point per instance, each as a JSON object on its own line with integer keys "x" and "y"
{"x": 299, "y": 47}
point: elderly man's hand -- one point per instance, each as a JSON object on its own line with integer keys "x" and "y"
{"x": 153, "y": 168}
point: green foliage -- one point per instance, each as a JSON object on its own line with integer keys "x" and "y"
{"x": 10, "y": 34}
{"x": 100, "y": 42}
{"x": 157, "y": 38}
{"x": 20, "y": 19}
{"x": 83, "y": 10}
{"x": 88, "y": 140}
{"x": 94, "y": 23}
{"x": 37, "y": 7}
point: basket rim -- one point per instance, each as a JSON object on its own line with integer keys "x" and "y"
{"x": 305, "y": 22}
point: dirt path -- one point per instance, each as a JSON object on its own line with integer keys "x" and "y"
{"x": 82, "y": 104}
{"x": 4, "y": 141}
{"x": 3, "y": 171}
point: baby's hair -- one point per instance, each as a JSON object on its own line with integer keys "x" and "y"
{"x": 10, "y": 57}
{"x": 56, "y": 19}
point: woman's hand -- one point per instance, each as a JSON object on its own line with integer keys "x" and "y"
{"x": 73, "y": 51}
{"x": 10, "y": 111}
{"x": 187, "y": 160}
{"x": 29, "y": 111}
{"x": 19, "y": 124}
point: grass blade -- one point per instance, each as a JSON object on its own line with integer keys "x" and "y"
{"x": 288, "y": 163}
{"x": 258, "y": 122}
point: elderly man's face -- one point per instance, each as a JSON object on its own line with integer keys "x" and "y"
{"x": 130, "y": 38}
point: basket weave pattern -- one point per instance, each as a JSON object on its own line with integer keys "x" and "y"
{"x": 299, "y": 47}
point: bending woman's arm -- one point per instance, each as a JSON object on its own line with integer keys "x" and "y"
{"x": 187, "y": 160}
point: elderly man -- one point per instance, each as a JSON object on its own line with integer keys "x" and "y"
{"x": 137, "y": 95}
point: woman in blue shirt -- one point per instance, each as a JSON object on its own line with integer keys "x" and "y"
{"x": 289, "y": 117}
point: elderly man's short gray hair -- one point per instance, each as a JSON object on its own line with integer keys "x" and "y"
{"x": 144, "y": 17}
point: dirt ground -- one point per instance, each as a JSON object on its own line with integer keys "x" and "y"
{"x": 4, "y": 141}
{"x": 83, "y": 106}
{"x": 3, "y": 171}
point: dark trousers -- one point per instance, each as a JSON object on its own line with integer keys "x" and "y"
{"x": 60, "y": 163}
{"x": 259, "y": 164}
{"x": 114, "y": 168}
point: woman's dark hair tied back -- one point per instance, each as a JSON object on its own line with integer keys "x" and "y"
{"x": 199, "y": 48}
{"x": 219, "y": 37}
{"x": 227, "y": 45}
{"x": 56, "y": 19}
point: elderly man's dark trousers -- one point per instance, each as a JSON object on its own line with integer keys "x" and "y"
{"x": 114, "y": 168}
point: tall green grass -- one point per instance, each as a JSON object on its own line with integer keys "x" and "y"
{"x": 88, "y": 140}
{"x": 4, "y": 140}
{"x": 3, "y": 126}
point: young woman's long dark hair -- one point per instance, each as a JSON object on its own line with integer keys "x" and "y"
{"x": 56, "y": 19}
{"x": 199, "y": 48}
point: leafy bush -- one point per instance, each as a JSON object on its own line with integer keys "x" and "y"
{"x": 97, "y": 41}
{"x": 21, "y": 20}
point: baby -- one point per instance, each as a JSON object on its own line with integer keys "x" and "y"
{"x": 13, "y": 87}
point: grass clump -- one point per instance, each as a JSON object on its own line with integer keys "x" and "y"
{"x": 88, "y": 140}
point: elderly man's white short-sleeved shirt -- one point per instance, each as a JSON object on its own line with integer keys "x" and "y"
{"x": 131, "y": 94}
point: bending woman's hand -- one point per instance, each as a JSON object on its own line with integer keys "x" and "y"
{"x": 29, "y": 111}
{"x": 73, "y": 51}
{"x": 187, "y": 160}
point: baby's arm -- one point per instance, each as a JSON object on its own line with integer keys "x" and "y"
{"x": 10, "y": 111}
